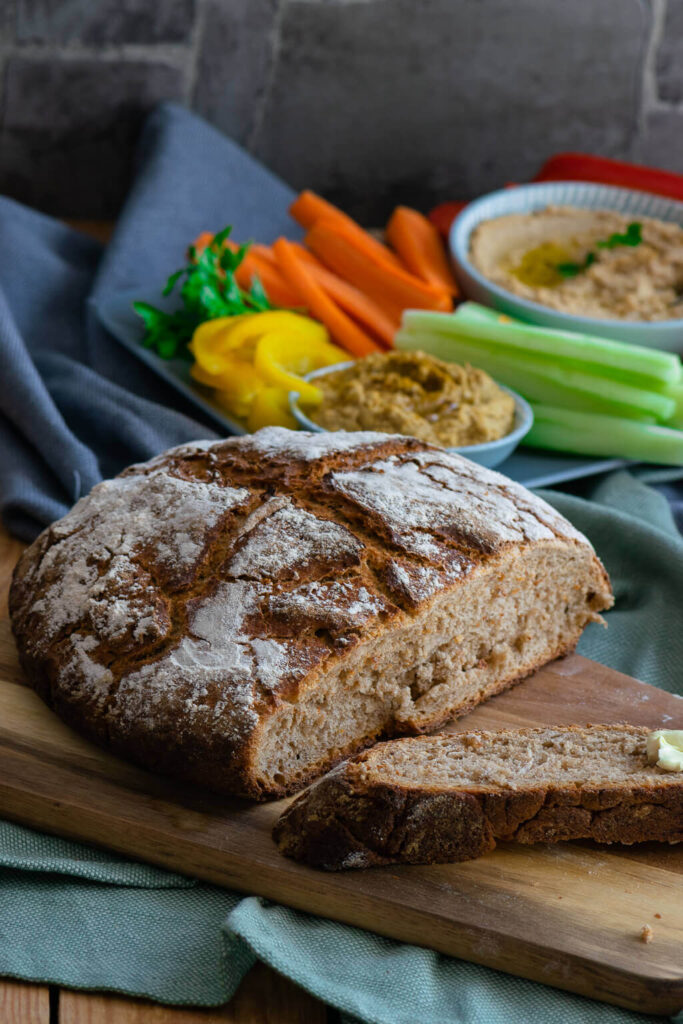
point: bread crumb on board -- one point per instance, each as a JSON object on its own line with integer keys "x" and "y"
{"x": 646, "y": 933}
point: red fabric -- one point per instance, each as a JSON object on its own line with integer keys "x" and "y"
{"x": 443, "y": 215}
{"x": 583, "y": 167}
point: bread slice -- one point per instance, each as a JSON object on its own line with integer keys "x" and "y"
{"x": 245, "y": 613}
{"x": 434, "y": 799}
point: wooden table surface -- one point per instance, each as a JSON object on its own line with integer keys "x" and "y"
{"x": 264, "y": 997}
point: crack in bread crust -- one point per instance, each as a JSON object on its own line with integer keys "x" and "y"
{"x": 182, "y": 606}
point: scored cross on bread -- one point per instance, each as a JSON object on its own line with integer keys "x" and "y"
{"x": 246, "y": 613}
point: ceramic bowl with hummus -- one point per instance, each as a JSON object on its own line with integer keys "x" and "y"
{"x": 577, "y": 256}
{"x": 460, "y": 408}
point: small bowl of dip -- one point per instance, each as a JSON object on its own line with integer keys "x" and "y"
{"x": 459, "y": 408}
{"x": 577, "y": 256}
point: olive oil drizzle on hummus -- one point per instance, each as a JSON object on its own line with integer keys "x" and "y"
{"x": 585, "y": 262}
{"x": 549, "y": 264}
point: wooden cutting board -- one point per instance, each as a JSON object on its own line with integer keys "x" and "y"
{"x": 569, "y": 915}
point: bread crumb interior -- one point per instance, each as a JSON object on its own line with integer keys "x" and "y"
{"x": 515, "y": 760}
{"x": 523, "y": 609}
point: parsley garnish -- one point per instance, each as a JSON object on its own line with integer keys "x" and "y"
{"x": 632, "y": 236}
{"x": 209, "y": 290}
{"x": 572, "y": 269}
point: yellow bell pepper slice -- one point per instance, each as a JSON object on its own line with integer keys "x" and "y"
{"x": 270, "y": 408}
{"x": 254, "y": 325}
{"x": 215, "y": 339}
{"x": 235, "y": 387}
{"x": 284, "y": 359}
{"x": 241, "y": 356}
{"x": 210, "y": 380}
{"x": 238, "y": 377}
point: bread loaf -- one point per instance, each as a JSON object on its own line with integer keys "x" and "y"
{"x": 432, "y": 799}
{"x": 246, "y": 613}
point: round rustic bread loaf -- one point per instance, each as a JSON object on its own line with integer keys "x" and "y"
{"x": 245, "y": 613}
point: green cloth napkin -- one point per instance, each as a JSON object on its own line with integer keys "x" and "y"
{"x": 82, "y": 918}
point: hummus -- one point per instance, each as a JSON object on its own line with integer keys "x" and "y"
{"x": 413, "y": 393}
{"x": 524, "y": 254}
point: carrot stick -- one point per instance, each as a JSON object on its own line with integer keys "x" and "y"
{"x": 258, "y": 262}
{"x": 201, "y": 242}
{"x": 382, "y": 322}
{"x": 308, "y": 208}
{"x": 298, "y": 274}
{"x": 417, "y": 242}
{"x": 308, "y": 257}
{"x": 263, "y": 251}
{"x": 381, "y": 282}
{"x": 275, "y": 285}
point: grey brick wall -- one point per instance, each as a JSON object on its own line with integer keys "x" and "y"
{"x": 369, "y": 101}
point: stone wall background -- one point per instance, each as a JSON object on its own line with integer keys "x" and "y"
{"x": 369, "y": 101}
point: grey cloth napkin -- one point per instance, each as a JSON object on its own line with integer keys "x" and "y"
{"x": 74, "y": 405}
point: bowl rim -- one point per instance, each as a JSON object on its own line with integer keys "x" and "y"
{"x": 459, "y": 236}
{"x": 524, "y": 415}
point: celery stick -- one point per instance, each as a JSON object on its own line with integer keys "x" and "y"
{"x": 474, "y": 313}
{"x": 675, "y": 391}
{"x": 541, "y": 381}
{"x": 595, "y": 370}
{"x": 583, "y": 433}
{"x": 617, "y": 355}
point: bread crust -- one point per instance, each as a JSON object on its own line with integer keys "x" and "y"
{"x": 178, "y": 607}
{"x": 350, "y": 819}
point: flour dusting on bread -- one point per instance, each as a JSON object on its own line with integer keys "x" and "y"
{"x": 279, "y": 443}
{"x": 246, "y": 612}
{"x": 93, "y": 568}
{"x": 289, "y": 538}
